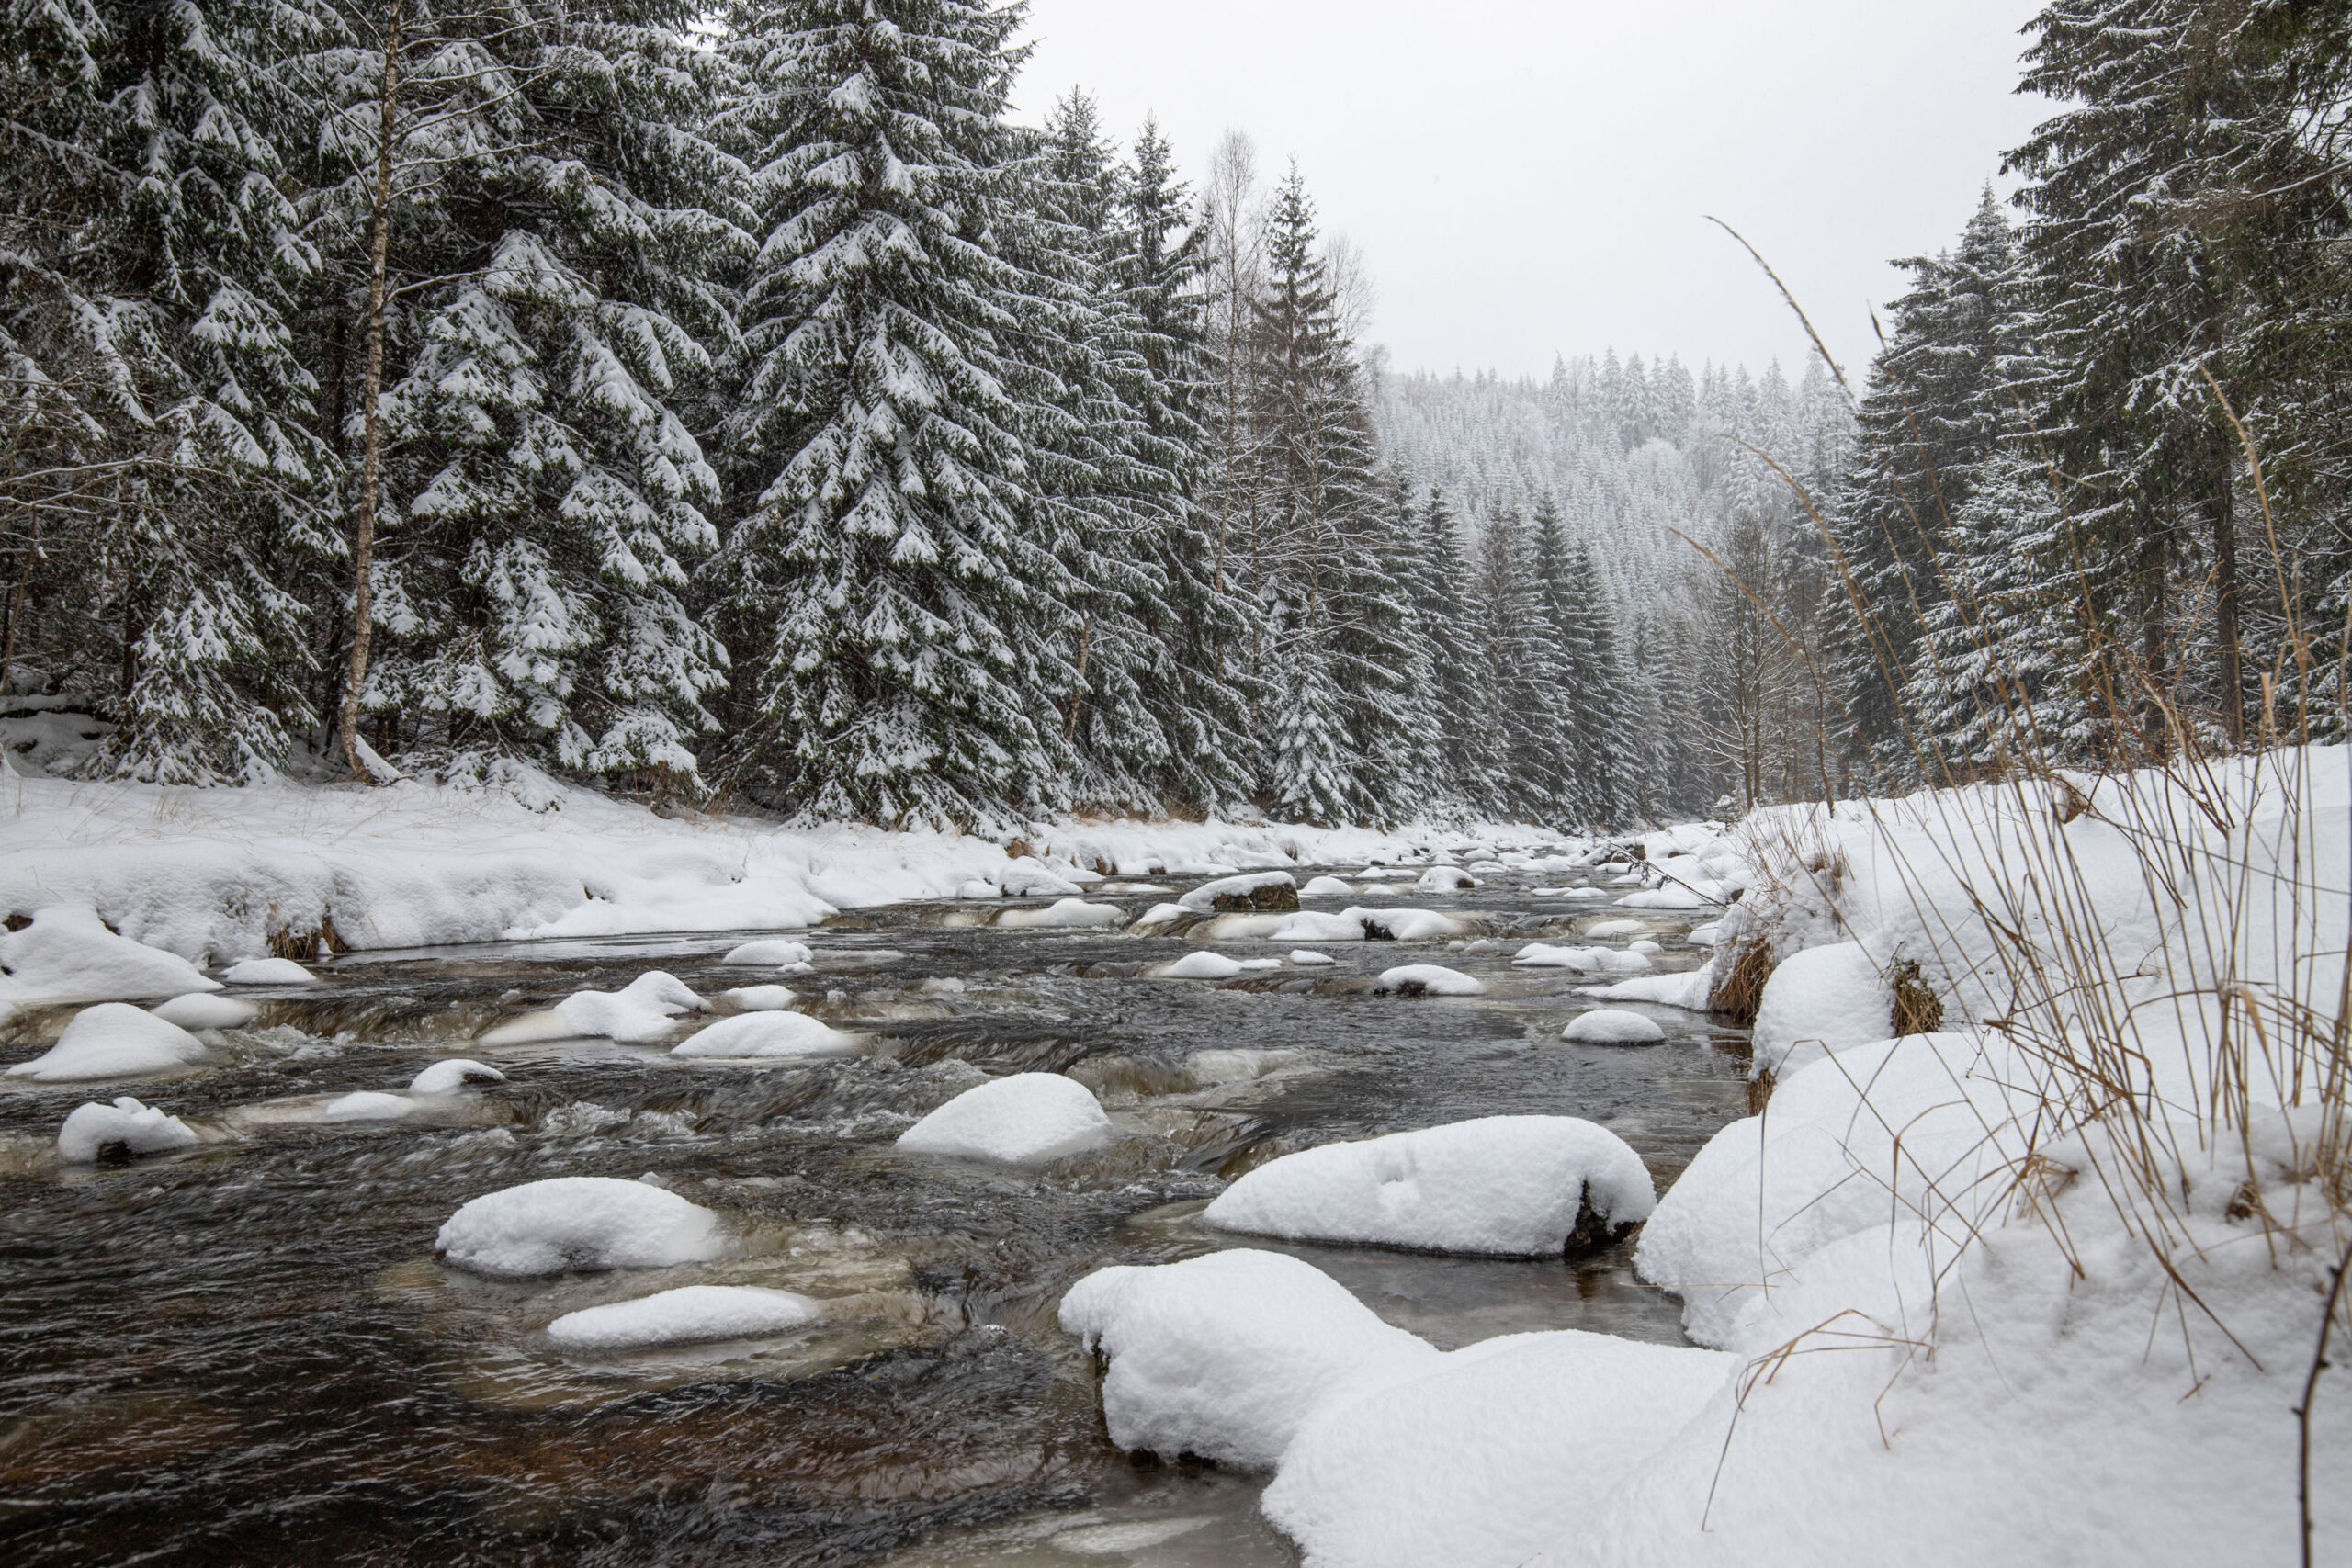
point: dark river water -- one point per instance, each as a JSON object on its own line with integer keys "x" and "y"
{"x": 247, "y": 1354}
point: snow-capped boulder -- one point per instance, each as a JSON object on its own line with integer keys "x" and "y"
{"x": 1408, "y": 925}
{"x": 1315, "y": 925}
{"x": 1224, "y": 1356}
{"x": 1584, "y": 959}
{"x": 1026, "y": 1119}
{"x": 761, "y": 998}
{"x": 773, "y": 952}
{"x": 578, "y": 1222}
{"x": 1507, "y": 1186}
{"x": 66, "y": 954}
{"x": 1064, "y": 913}
{"x": 1326, "y": 888}
{"x": 1689, "y": 990}
{"x": 206, "y": 1009}
{"x": 1028, "y": 878}
{"x": 1445, "y": 879}
{"x": 689, "y": 1314}
{"x": 639, "y": 1012}
{"x": 766, "y": 1033}
{"x": 450, "y": 1075}
{"x": 1306, "y": 958}
{"x": 269, "y": 972}
{"x": 113, "y": 1039}
{"x": 1430, "y": 980}
{"x": 369, "y": 1105}
{"x": 1818, "y": 1002}
{"x": 1158, "y": 917}
{"x": 1267, "y": 891}
{"x": 126, "y": 1125}
{"x": 1202, "y": 966}
{"x": 1612, "y": 927}
{"x": 1613, "y": 1026}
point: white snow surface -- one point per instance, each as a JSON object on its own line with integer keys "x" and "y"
{"x": 269, "y": 972}
{"x": 66, "y": 954}
{"x": 1434, "y": 979}
{"x": 1584, "y": 959}
{"x": 688, "y": 1314}
{"x": 1024, "y": 1119}
{"x": 113, "y": 1039}
{"x": 578, "y": 1222}
{"x": 1688, "y": 990}
{"x": 643, "y": 1010}
{"x": 1306, "y": 958}
{"x": 767, "y": 1033}
{"x": 1613, "y": 1026}
{"x": 1507, "y": 1186}
{"x": 1326, "y": 888}
{"x": 762, "y": 951}
{"x": 206, "y": 1009}
{"x": 1064, "y": 912}
{"x": 1202, "y": 966}
{"x": 1445, "y": 879}
{"x": 761, "y": 998}
{"x": 139, "y": 1129}
{"x": 1819, "y": 1001}
{"x": 452, "y": 1074}
{"x": 367, "y": 1105}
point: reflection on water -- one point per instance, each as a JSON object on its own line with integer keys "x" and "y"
{"x": 247, "y": 1354}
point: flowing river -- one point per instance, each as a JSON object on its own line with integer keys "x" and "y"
{"x": 246, "y": 1353}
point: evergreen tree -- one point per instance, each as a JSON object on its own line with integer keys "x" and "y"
{"x": 1590, "y": 700}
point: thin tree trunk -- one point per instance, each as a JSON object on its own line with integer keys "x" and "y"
{"x": 17, "y": 602}
{"x": 371, "y": 469}
{"x": 2225, "y": 607}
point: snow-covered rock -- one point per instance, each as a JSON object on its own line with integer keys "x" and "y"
{"x": 1689, "y": 990}
{"x": 688, "y": 1314}
{"x": 1489, "y": 1456}
{"x": 206, "y": 1009}
{"x": 1025, "y": 1119}
{"x": 1255, "y": 888}
{"x": 578, "y": 1222}
{"x": 1064, "y": 912}
{"x": 1158, "y": 916}
{"x": 136, "y": 1129}
{"x": 1407, "y": 925}
{"x": 761, "y": 998}
{"x": 1445, "y": 879}
{"x": 269, "y": 972}
{"x": 1027, "y": 877}
{"x": 1315, "y": 925}
{"x": 1510, "y": 1186}
{"x": 1326, "y": 888}
{"x": 1306, "y": 958}
{"x": 1584, "y": 959}
{"x": 369, "y": 1105}
{"x": 1613, "y": 1026}
{"x": 1224, "y": 1356}
{"x": 1819, "y": 1002}
{"x": 113, "y": 1039}
{"x": 1612, "y": 927}
{"x": 1675, "y": 895}
{"x": 66, "y": 954}
{"x": 770, "y": 952}
{"x": 1202, "y": 966}
{"x": 449, "y": 1075}
{"x": 639, "y": 1012}
{"x": 1431, "y": 980}
{"x": 766, "y": 1033}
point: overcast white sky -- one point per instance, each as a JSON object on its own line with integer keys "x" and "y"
{"x": 1527, "y": 176}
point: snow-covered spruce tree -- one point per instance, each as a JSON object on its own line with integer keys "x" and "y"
{"x": 1522, "y": 661}
{"x": 556, "y": 222}
{"x": 897, "y": 621}
{"x": 1439, "y": 592}
{"x": 1587, "y": 684}
{"x": 163, "y": 478}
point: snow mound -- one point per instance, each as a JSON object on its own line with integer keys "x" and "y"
{"x": 1583, "y": 960}
{"x": 1689, "y": 991}
{"x": 1314, "y": 925}
{"x": 203, "y": 1009}
{"x": 1026, "y": 1119}
{"x": 639, "y": 1012}
{"x": 1028, "y": 878}
{"x": 1307, "y": 959}
{"x": 135, "y": 1128}
{"x": 1224, "y": 1356}
{"x": 1159, "y": 915}
{"x": 1326, "y": 888}
{"x": 1205, "y": 896}
{"x": 1408, "y": 925}
{"x": 1201, "y": 966}
{"x": 1613, "y": 1026}
{"x": 1489, "y": 1456}
{"x": 66, "y": 954}
{"x": 1674, "y": 895}
{"x": 449, "y": 1077}
{"x": 760, "y": 999}
{"x": 1506, "y": 1186}
{"x": 113, "y": 1039}
{"x": 1613, "y": 927}
{"x": 780, "y": 951}
{"x": 269, "y": 972}
{"x": 683, "y": 1317}
{"x": 578, "y": 1222}
{"x": 1064, "y": 912}
{"x": 1444, "y": 879}
{"x": 1431, "y": 980}
{"x": 767, "y": 1035}
{"x": 1819, "y": 1002}
{"x": 367, "y": 1105}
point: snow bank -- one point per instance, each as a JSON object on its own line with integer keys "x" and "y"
{"x": 67, "y": 955}
{"x": 1064, "y": 912}
{"x": 767, "y": 1033}
{"x": 1431, "y": 980}
{"x": 1510, "y": 1185}
{"x": 578, "y": 1222}
{"x": 113, "y": 1039}
{"x": 1026, "y": 1119}
{"x": 1613, "y": 1026}
{"x": 641, "y": 1011}
{"x": 1487, "y": 1456}
{"x": 204, "y": 1009}
{"x": 127, "y": 1124}
{"x": 450, "y": 1075}
{"x": 1224, "y": 1356}
{"x": 688, "y": 1314}
{"x": 269, "y": 972}
{"x": 1201, "y": 966}
{"x": 1818, "y": 1002}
